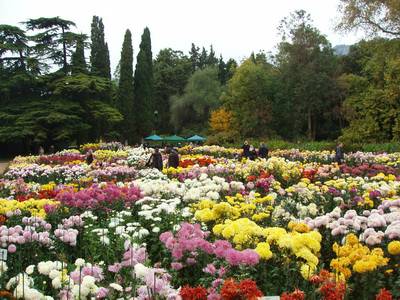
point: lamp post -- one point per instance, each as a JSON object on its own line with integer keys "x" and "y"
{"x": 155, "y": 121}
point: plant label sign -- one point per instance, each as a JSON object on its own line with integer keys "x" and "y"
{"x": 3, "y": 254}
{"x": 270, "y": 298}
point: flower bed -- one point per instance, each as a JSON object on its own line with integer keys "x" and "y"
{"x": 296, "y": 225}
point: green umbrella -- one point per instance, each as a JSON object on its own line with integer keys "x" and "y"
{"x": 174, "y": 138}
{"x": 196, "y": 138}
{"x": 153, "y": 137}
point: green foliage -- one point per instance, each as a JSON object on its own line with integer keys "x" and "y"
{"x": 203, "y": 59}
{"x": 143, "y": 88}
{"x": 55, "y": 40}
{"x": 248, "y": 97}
{"x": 212, "y": 60}
{"x": 78, "y": 62}
{"x": 39, "y": 120}
{"x": 172, "y": 70}
{"x": 307, "y": 93}
{"x": 372, "y": 104}
{"x": 194, "y": 57}
{"x": 125, "y": 87}
{"x": 99, "y": 55}
{"x": 14, "y": 41}
{"x": 200, "y": 97}
{"x": 373, "y": 16}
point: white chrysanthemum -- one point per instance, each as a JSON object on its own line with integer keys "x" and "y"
{"x": 116, "y": 287}
{"x": 29, "y": 269}
{"x": 80, "y": 262}
{"x": 44, "y": 267}
{"x": 56, "y": 283}
{"x": 54, "y": 273}
{"x": 141, "y": 271}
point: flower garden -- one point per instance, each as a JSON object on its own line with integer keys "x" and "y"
{"x": 297, "y": 226}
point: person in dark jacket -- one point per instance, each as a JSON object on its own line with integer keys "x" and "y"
{"x": 173, "y": 159}
{"x": 252, "y": 153}
{"x": 155, "y": 160}
{"x": 263, "y": 151}
{"x": 246, "y": 149}
{"x": 89, "y": 157}
{"x": 339, "y": 155}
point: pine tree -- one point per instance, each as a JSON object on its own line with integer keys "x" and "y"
{"x": 78, "y": 63}
{"x": 99, "y": 56}
{"x": 125, "y": 86}
{"x": 194, "y": 57}
{"x": 143, "y": 87}
{"x": 231, "y": 66}
{"x": 211, "y": 59}
{"x": 222, "y": 72}
{"x": 203, "y": 59}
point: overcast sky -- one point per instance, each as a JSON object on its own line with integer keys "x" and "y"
{"x": 234, "y": 27}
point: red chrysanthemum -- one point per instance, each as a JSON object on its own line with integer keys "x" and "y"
{"x": 249, "y": 289}
{"x": 193, "y": 293}
{"x": 384, "y": 294}
{"x": 332, "y": 290}
{"x": 230, "y": 290}
{"x": 296, "y": 295}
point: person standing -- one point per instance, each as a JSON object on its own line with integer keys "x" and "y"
{"x": 263, "y": 151}
{"x": 246, "y": 149}
{"x": 339, "y": 155}
{"x": 41, "y": 150}
{"x": 89, "y": 157}
{"x": 252, "y": 153}
{"x": 155, "y": 160}
{"x": 173, "y": 159}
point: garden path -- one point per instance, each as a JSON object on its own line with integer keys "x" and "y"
{"x": 3, "y": 166}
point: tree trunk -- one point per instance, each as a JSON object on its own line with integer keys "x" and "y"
{"x": 64, "y": 51}
{"x": 21, "y": 59}
{"x": 309, "y": 129}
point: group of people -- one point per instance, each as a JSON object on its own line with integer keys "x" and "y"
{"x": 248, "y": 151}
{"x": 156, "y": 160}
{"x": 42, "y": 152}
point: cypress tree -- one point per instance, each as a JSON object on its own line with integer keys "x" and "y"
{"x": 125, "y": 86}
{"x": 78, "y": 63}
{"x": 99, "y": 56}
{"x": 107, "y": 67}
{"x": 143, "y": 87}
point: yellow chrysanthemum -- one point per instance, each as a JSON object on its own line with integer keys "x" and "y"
{"x": 263, "y": 249}
{"x": 394, "y": 248}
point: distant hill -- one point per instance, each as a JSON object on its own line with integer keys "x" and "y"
{"x": 341, "y": 50}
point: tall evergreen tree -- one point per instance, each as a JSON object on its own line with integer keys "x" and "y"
{"x": 55, "y": 41}
{"x": 211, "y": 59}
{"x": 108, "y": 63}
{"x": 222, "y": 72}
{"x": 194, "y": 57}
{"x": 143, "y": 88}
{"x": 203, "y": 59}
{"x": 231, "y": 66}
{"x": 125, "y": 86}
{"x": 78, "y": 63}
{"x": 99, "y": 56}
